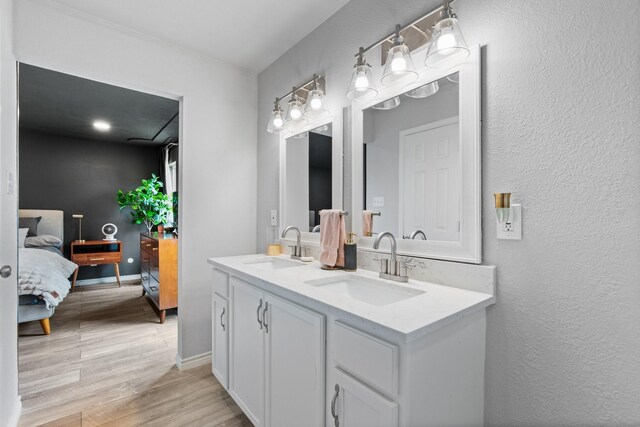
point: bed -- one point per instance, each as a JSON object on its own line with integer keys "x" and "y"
{"x": 43, "y": 271}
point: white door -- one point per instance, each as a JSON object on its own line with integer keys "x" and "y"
{"x": 357, "y": 405}
{"x": 9, "y": 400}
{"x": 295, "y": 365}
{"x": 246, "y": 376}
{"x": 430, "y": 181}
{"x": 220, "y": 340}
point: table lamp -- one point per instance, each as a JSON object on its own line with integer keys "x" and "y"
{"x": 79, "y": 218}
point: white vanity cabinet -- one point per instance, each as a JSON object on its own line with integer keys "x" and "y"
{"x": 276, "y": 358}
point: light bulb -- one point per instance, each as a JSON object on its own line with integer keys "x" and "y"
{"x": 316, "y": 103}
{"x": 446, "y": 41}
{"x": 296, "y": 113}
{"x": 101, "y": 125}
{"x": 362, "y": 82}
{"x": 278, "y": 122}
{"x": 398, "y": 64}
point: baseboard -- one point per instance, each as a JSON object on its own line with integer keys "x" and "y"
{"x": 193, "y": 361}
{"x": 15, "y": 414}
{"x": 103, "y": 280}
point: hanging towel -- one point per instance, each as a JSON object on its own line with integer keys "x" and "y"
{"x": 367, "y": 223}
{"x": 332, "y": 238}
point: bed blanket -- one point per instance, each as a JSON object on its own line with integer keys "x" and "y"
{"x": 44, "y": 274}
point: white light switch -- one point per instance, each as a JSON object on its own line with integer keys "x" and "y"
{"x": 10, "y": 183}
{"x": 378, "y": 202}
{"x": 512, "y": 229}
{"x": 274, "y": 217}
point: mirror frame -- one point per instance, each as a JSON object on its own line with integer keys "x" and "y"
{"x": 335, "y": 119}
{"x": 469, "y": 248}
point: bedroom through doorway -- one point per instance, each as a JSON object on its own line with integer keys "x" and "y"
{"x": 98, "y": 180}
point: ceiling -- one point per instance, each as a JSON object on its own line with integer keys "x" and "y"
{"x": 66, "y": 105}
{"x": 250, "y": 34}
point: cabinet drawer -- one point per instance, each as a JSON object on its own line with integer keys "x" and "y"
{"x": 367, "y": 358}
{"x": 149, "y": 245}
{"x": 97, "y": 258}
{"x": 220, "y": 283}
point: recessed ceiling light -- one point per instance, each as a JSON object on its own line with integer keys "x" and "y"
{"x": 101, "y": 125}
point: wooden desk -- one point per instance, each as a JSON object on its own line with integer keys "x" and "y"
{"x": 96, "y": 252}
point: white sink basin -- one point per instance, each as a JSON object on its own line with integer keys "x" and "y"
{"x": 364, "y": 289}
{"x": 274, "y": 263}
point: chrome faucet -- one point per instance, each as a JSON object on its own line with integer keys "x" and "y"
{"x": 296, "y": 251}
{"x": 316, "y": 229}
{"x": 390, "y": 269}
{"x": 415, "y": 234}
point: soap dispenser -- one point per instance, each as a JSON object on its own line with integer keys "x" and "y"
{"x": 350, "y": 253}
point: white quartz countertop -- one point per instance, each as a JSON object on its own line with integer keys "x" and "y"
{"x": 412, "y": 317}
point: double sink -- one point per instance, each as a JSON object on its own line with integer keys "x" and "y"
{"x": 376, "y": 292}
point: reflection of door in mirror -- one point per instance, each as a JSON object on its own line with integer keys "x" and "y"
{"x": 412, "y": 162}
{"x": 308, "y": 183}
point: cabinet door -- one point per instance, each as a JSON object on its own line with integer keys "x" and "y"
{"x": 220, "y": 329}
{"x": 295, "y": 364}
{"x": 246, "y": 375}
{"x": 354, "y": 404}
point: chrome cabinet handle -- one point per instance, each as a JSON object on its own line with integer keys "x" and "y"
{"x": 334, "y": 414}
{"x": 258, "y": 313}
{"x": 222, "y": 314}
{"x": 264, "y": 317}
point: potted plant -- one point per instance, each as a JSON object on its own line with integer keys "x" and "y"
{"x": 148, "y": 203}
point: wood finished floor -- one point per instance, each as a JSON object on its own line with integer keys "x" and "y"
{"x": 108, "y": 362}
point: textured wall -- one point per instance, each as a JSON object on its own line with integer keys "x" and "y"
{"x": 561, "y": 114}
{"x": 81, "y": 176}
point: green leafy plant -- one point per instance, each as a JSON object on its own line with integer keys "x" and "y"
{"x": 148, "y": 203}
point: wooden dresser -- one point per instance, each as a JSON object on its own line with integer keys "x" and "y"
{"x": 159, "y": 271}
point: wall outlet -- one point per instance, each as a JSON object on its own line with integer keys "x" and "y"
{"x": 130, "y": 260}
{"x": 512, "y": 229}
{"x": 378, "y": 202}
{"x": 274, "y": 217}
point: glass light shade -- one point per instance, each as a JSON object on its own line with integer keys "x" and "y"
{"x": 447, "y": 47}
{"x": 424, "y": 91}
{"x": 399, "y": 68}
{"x": 295, "y": 110}
{"x": 361, "y": 84}
{"x": 315, "y": 106}
{"x": 276, "y": 123}
{"x": 389, "y": 104}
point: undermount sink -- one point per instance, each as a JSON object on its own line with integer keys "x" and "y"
{"x": 364, "y": 289}
{"x": 274, "y": 264}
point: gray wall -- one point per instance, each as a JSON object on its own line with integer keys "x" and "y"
{"x": 561, "y": 115}
{"x": 82, "y": 176}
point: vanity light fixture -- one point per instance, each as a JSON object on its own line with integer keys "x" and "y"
{"x": 361, "y": 84}
{"x": 315, "y": 106}
{"x": 424, "y": 91}
{"x": 399, "y": 68}
{"x": 447, "y": 47}
{"x": 389, "y": 104}
{"x": 276, "y": 123}
{"x": 295, "y": 111}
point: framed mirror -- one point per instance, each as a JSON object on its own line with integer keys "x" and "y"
{"x": 416, "y": 164}
{"x": 310, "y": 174}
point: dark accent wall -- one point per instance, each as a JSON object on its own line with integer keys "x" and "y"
{"x": 83, "y": 176}
{"x": 320, "y": 177}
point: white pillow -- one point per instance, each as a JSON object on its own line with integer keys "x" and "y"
{"x": 22, "y": 235}
{"x": 42, "y": 240}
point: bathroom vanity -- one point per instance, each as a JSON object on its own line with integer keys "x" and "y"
{"x": 297, "y": 345}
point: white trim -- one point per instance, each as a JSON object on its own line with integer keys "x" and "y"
{"x": 469, "y": 249}
{"x": 193, "y": 361}
{"x": 13, "y": 419}
{"x": 104, "y": 280}
{"x": 335, "y": 119}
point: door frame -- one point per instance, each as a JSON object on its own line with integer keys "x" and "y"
{"x": 403, "y": 134}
